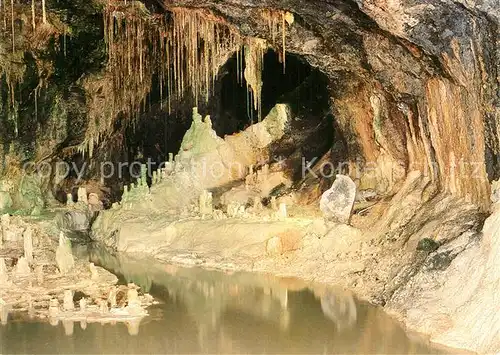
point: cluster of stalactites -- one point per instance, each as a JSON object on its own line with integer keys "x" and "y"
{"x": 25, "y": 27}
{"x": 255, "y": 48}
{"x": 277, "y": 21}
{"x": 185, "y": 51}
{"x": 200, "y": 42}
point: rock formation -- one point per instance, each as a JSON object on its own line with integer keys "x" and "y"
{"x": 64, "y": 256}
{"x": 337, "y": 202}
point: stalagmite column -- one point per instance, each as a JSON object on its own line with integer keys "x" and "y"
{"x": 4, "y": 312}
{"x": 22, "y": 268}
{"x": 39, "y": 274}
{"x": 274, "y": 206}
{"x": 112, "y": 297}
{"x": 28, "y": 244}
{"x": 54, "y": 308}
{"x": 82, "y": 195}
{"x": 69, "y": 200}
{"x": 83, "y": 305}
{"x": 68, "y": 304}
{"x": 93, "y": 272}
{"x": 205, "y": 203}
{"x": 64, "y": 258}
{"x": 282, "y": 211}
{"x": 4, "y": 275}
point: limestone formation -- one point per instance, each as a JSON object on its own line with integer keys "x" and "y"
{"x": 54, "y": 308}
{"x": 69, "y": 200}
{"x": 83, "y": 305}
{"x": 68, "y": 304}
{"x": 95, "y": 203}
{"x": 22, "y": 268}
{"x": 337, "y": 202}
{"x": 274, "y": 204}
{"x": 112, "y": 297}
{"x": 28, "y": 244}
{"x": 4, "y": 312}
{"x": 4, "y": 275}
{"x": 64, "y": 257}
{"x": 93, "y": 272}
{"x": 283, "y": 214}
{"x": 82, "y": 195}
{"x": 39, "y": 275}
{"x": 205, "y": 203}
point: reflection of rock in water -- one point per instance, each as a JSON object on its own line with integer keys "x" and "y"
{"x": 340, "y": 309}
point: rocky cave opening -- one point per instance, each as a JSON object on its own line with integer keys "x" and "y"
{"x": 401, "y": 99}
{"x": 159, "y": 130}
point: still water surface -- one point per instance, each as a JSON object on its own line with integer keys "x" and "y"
{"x": 203, "y": 311}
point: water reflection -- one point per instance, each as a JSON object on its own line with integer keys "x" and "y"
{"x": 212, "y": 312}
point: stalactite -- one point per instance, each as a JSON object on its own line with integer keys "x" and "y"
{"x": 277, "y": 21}
{"x": 12, "y": 25}
{"x": 33, "y": 15}
{"x": 200, "y": 41}
{"x": 255, "y": 49}
{"x": 44, "y": 12}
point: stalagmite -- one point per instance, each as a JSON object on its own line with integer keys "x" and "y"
{"x": 4, "y": 275}
{"x": 282, "y": 211}
{"x": 83, "y": 305}
{"x": 112, "y": 297}
{"x": 257, "y": 204}
{"x": 274, "y": 205}
{"x": 68, "y": 304}
{"x": 205, "y": 203}
{"x": 22, "y": 267}
{"x": 69, "y": 200}
{"x": 39, "y": 275}
{"x": 4, "y": 312}
{"x": 28, "y": 244}
{"x": 93, "y": 272}
{"x": 64, "y": 258}
{"x": 54, "y": 308}
{"x": 103, "y": 307}
{"x": 82, "y": 195}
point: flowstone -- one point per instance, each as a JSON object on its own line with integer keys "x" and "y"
{"x": 337, "y": 202}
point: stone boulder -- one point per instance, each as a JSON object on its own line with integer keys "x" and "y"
{"x": 337, "y": 202}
